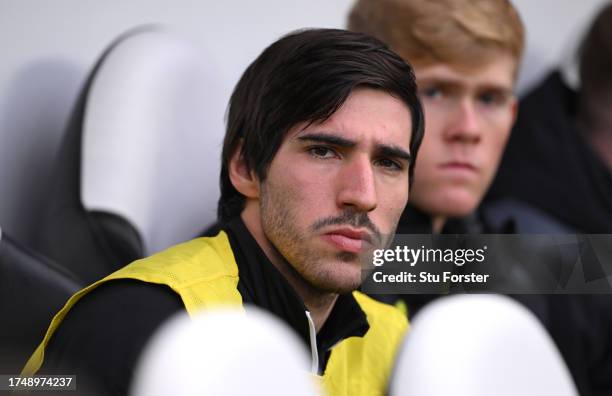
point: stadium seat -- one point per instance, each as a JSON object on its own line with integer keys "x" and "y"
{"x": 32, "y": 290}
{"x": 124, "y": 185}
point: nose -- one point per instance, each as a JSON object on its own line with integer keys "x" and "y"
{"x": 357, "y": 186}
{"x": 464, "y": 125}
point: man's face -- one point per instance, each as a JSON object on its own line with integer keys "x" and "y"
{"x": 468, "y": 117}
{"x": 336, "y": 189}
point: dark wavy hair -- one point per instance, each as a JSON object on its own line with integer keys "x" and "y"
{"x": 305, "y": 77}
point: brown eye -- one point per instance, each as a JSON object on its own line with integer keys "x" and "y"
{"x": 322, "y": 152}
{"x": 389, "y": 164}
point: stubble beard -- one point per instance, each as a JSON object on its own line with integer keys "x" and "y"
{"x": 309, "y": 265}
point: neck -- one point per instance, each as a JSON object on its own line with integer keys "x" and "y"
{"x": 437, "y": 223}
{"x": 318, "y": 302}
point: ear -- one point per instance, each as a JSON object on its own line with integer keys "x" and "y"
{"x": 245, "y": 181}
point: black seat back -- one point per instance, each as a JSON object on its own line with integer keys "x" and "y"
{"x": 32, "y": 290}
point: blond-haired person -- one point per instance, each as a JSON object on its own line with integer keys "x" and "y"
{"x": 466, "y": 55}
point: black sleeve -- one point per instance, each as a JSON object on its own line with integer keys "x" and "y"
{"x": 101, "y": 338}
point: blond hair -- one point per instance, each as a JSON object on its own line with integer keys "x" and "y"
{"x": 458, "y": 32}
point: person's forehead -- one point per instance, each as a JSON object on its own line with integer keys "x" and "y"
{"x": 367, "y": 115}
{"x": 496, "y": 73}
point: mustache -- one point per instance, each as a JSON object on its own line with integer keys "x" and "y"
{"x": 351, "y": 218}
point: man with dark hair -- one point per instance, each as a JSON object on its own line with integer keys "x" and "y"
{"x": 323, "y": 129}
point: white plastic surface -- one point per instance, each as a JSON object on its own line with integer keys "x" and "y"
{"x": 146, "y": 147}
{"x": 479, "y": 345}
{"x": 224, "y": 353}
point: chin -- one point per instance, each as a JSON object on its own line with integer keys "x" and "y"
{"x": 453, "y": 204}
{"x": 344, "y": 277}
{"x": 342, "y": 287}
{"x": 460, "y": 209}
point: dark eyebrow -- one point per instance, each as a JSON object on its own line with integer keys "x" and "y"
{"x": 394, "y": 152}
{"x": 327, "y": 138}
{"x": 382, "y": 149}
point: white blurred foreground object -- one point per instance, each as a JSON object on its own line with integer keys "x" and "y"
{"x": 224, "y": 352}
{"x": 479, "y": 345}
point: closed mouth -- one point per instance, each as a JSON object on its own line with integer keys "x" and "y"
{"x": 348, "y": 239}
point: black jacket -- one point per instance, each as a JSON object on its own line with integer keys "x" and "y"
{"x": 549, "y": 166}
